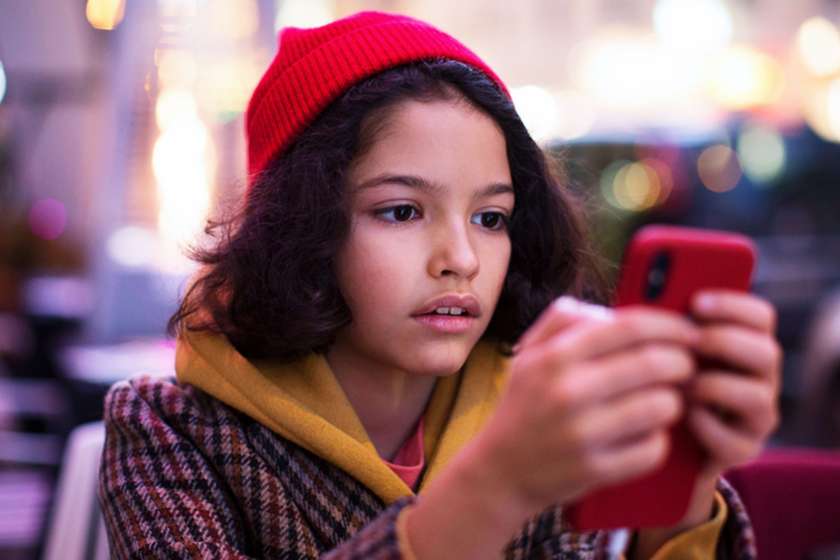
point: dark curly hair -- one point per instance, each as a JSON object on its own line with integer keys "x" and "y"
{"x": 267, "y": 282}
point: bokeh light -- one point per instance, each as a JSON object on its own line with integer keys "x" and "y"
{"x": 132, "y": 246}
{"x": 173, "y": 105}
{"x": 178, "y": 9}
{"x": 818, "y": 44}
{"x": 48, "y": 218}
{"x": 761, "y": 151}
{"x": 576, "y": 115}
{"x": 744, "y": 77}
{"x": 694, "y": 24}
{"x": 303, "y": 13}
{"x": 105, "y": 14}
{"x": 663, "y": 175}
{"x": 176, "y": 68}
{"x": 2, "y": 82}
{"x": 625, "y": 69}
{"x": 822, "y": 109}
{"x": 182, "y": 163}
{"x": 233, "y": 19}
{"x": 718, "y": 168}
{"x": 538, "y": 110}
{"x": 636, "y": 186}
{"x": 225, "y": 87}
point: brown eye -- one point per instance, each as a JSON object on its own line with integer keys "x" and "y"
{"x": 401, "y": 213}
{"x": 493, "y": 220}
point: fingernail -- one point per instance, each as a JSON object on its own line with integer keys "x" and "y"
{"x": 566, "y": 303}
{"x": 598, "y": 311}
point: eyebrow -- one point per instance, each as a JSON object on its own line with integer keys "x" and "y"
{"x": 419, "y": 183}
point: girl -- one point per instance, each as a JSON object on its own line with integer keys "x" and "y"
{"x": 347, "y": 381}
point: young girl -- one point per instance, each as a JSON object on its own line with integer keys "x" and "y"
{"x": 387, "y": 353}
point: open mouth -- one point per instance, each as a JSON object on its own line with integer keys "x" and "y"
{"x": 448, "y": 312}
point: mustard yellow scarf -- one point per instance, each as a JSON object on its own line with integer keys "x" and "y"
{"x": 304, "y": 403}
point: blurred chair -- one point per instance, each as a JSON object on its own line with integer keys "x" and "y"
{"x": 76, "y": 530}
{"x": 793, "y": 498}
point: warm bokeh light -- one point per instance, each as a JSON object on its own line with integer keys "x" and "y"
{"x": 718, "y": 168}
{"x": 105, "y": 14}
{"x": 743, "y": 77}
{"x": 818, "y": 44}
{"x": 48, "y": 218}
{"x": 636, "y": 186}
{"x": 2, "y": 82}
{"x": 663, "y": 175}
{"x": 607, "y": 181}
{"x": 538, "y": 110}
{"x": 627, "y": 69}
{"x": 761, "y": 151}
{"x": 176, "y": 68}
{"x": 177, "y": 9}
{"x": 693, "y": 24}
{"x": 822, "y": 110}
{"x": 173, "y": 105}
{"x": 182, "y": 164}
{"x": 303, "y": 13}
{"x": 576, "y": 115}
{"x": 133, "y": 246}
{"x": 233, "y": 19}
{"x": 225, "y": 87}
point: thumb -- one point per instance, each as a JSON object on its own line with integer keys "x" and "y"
{"x": 563, "y": 312}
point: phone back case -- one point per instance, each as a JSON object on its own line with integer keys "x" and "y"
{"x": 697, "y": 259}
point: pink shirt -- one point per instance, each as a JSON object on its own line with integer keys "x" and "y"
{"x": 409, "y": 461}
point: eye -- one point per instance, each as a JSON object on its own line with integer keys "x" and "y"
{"x": 401, "y": 213}
{"x": 491, "y": 220}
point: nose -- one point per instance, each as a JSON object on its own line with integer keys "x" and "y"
{"x": 453, "y": 252}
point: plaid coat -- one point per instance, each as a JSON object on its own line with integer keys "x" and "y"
{"x": 185, "y": 476}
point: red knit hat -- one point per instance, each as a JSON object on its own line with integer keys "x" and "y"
{"x": 315, "y": 66}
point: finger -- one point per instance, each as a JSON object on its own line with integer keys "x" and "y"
{"x": 609, "y": 376}
{"x": 563, "y": 312}
{"x": 630, "y": 326}
{"x": 741, "y": 349}
{"x": 752, "y": 402}
{"x": 629, "y": 460}
{"x": 629, "y": 418}
{"x": 728, "y": 446}
{"x": 735, "y": 307}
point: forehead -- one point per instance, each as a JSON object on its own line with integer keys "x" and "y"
{"x": 450, "y": 142}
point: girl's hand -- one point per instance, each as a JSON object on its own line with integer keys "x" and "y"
{"x": 591, "y": 395}
{"x": 732, "y": 406}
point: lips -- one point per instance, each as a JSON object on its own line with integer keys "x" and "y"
{"x": 468, "y": 302}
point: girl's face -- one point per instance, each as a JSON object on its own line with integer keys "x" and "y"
{"x": 429, "y": 201}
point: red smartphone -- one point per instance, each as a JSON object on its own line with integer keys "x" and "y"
{"x": 664, "y": 266}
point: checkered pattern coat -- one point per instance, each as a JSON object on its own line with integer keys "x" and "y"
{"x": 185, "y": 476}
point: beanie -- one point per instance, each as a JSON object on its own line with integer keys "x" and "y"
{"x": 315, "y": 66}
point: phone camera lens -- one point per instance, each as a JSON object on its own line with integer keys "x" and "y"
{"x": 657, "y": 276}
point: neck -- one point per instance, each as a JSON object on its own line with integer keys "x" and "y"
{"x": 388, "y": 403}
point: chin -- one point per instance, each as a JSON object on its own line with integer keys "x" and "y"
{"x": 442, "y": 362}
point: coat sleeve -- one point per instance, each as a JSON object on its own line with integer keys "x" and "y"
{"x": 728, "y": 536}
{"x": 162, "y": 497}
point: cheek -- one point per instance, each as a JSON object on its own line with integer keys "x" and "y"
{"x": 494, "y": 265}
{"x": 373, "y": 273}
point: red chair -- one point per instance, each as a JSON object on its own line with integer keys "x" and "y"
{"x": 793, "y": 499}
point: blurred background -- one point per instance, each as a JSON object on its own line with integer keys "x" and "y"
{"x": 121, "y": 132}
